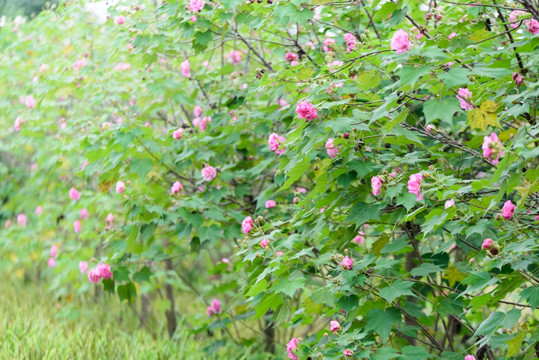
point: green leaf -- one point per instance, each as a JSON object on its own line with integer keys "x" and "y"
{"x": 397, "y": 289}
{"x": 363, "y": 212}
{"x": 257, "y": 288}
{"x": 127, "y": 292}
{"x": 414, "y": 353}
{"x": 347, "y": 303}
{"x": 288, "y": 287}
{"x": 441, "y": 108}
{"x": 142, "y": 275}
{"x": 456, "y": 76}
{"x": 425, "y": 269}
{"x": 496, "y": 320}
{"x": 140, "y": 167}
{"x": 409, "y": 75}
{"x": 382, "y": 321}
{"x": 297, "y": 172}
{"x": 531, "y": 294}
{"x": 386, "y": 353}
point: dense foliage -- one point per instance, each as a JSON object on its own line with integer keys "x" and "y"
{"x": 319, "y": 178}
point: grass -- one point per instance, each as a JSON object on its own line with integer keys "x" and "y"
{"x": 35, "y": 325}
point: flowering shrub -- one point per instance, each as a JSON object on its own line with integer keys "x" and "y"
{"x": 349, "y": 179}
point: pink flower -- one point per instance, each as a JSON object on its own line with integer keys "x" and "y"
{"x": 76, "y": 226}
{"x": 414, "y": 185}
{"x": 518, "y": 79}
{"x": 359, "y": 239}
{"x": 469, "y": 357}
{"x": 197, "y": 111}
{"x": 512, "y": 18}
{"x": 119, "y": 20}
{"x": 508, "y": 209}
{"x": 471, "y": 261}
{"x": 79, "y": 64}
{"x": 39, "y": 210}
{"x": 177, "y": 133}
{"x": 311, "y": 45}
{"x": 292, "y": 345}
{"x": 109, "y": 221}
{"x": 51, "y": 263}
{"x": 7, "y": 223}
{"x": 18, "y": 123}
{"x": 331, "y": 149}
{"x": 247, "y": 225}
{"x": 120, "y": 187}
{"x": 334, "y": 65}
{"x": 334, "y": 326}
{"x": 348, "y": 353}
{"x": 234, "y": 57}
{"x": 122, "y": 67}
{"x": 270, "y": 204}
{"x": 376, "y": 184}
{"x": 264, "y": 243}
{"x": 301, "y": 190}
{"x": 276, "y": 143}
{"x": 208, "y": 173}
{"x": 214, "y": 308}
{"x": 74, "y": 194}
{"x": 449, "y": 203}
{"x": 104, "y": 271}
{"x": 196, "y": 5}
{"x": 225, "y": 260}
{"x": 43, "y": 68}
{"x": 279, "y": 253}
{"x": 295, "y": 200}
{"x": 306, "y": 110}
{"x": 30, "y": 102}
{"x": 347, "y": 263}
{"x": 350, "y": 40}
{"x": 452, "y": 35}
{"x": 533, "y": 26}
{"x": 176, "y": 187}
{"x": 84, "y": 214}
{"x": 492, "y": 148}
{"x": 84, "y": 164}
{"x": 487, "y": 243}
{"x": 54, "y": 250}
{"x": 21, "y": 219}
{"x": 465, "y": 99}
{"x": 291, "y": 56}
{"x": 193, "y": 18}
{"x": 185, "y": 68}
{"x": 83, "y": 267}
{"x": 94, "y": 276}
{"x": 400, "y": 41}
{"x": 418, "y": 34}
{"x": 328, "y": 42}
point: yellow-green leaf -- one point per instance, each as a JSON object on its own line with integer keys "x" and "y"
{"x": 513, "y": 345}
{"x": 453, "y": 275}
{"x": 484, "y": 116}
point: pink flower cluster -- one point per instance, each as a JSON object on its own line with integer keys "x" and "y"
{"x": 465, "y": 98}
{"x": 30, "y": 102}
{"x": 334, "y": 326}
{"x": 234, "y": 57}
{"x": 74, "y": 194}
{"x": 109, "y": 221}
{"x": 376, "y": 184}
{"x": 487, "y": 243}
{"x": 247, "y": 225}
{"x": 214, "y": 308}
{"x": 21, "y": 220}
{"x": 79, "y": 64}
{"x": 306, "y": 110}
{"x": 185, "y": 68}
{"x": 122, "y": 67}
{"x": 101, "y": 271}
{"x": 347, "y": 263}
{"x": 414, "y": 185}
{"x": 400, "y": 42}
{"x": 350, "y": 40}
{"x": 276, "y": 143}
{"x": 120, "y": 187}
{"x": 508, "y": 210}
{"x": 177, "y": 134}
{"x": 264, "y": 243}
{"x": 176, "y": 188}
{"x": 208, "y": 173}
{"x": 331, "y": 149}
{"x": 196, "y": 5}
{"x": 202, "y": 123}
{"x": 270, "y": 204}
{"x": 469, "y": 357}
{"x": 291, "y": 347}
{"x": 119, "y": 20}
{"x": 328, "y": 43}
{"x": 492, "y": 148}
{"x": 53, "y": 252}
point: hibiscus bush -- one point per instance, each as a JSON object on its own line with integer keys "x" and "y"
{"x": 308, "y": 179}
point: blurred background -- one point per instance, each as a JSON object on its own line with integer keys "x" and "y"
{"x": 11, "y": 8}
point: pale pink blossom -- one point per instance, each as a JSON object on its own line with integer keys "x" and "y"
{"x": 331, "y": 149}
{"x": 508, "y": 209}
{"x": 348, "y": 353}
{"x": 33, "y": 167}
{"x": 347, "y": 263}
{"x": 270, "y": 204}
{"x": 193, "y": 18}
{"x": 79, "y": 64}
{"x": 18, "y": 123}
{"x": 301, "y": 190}
{"x": 279, "y": 253}
{"x": 533, "y": 26}
{"x": 295, "y": 200}
{"x": 122, "y": 67}
{"x": 471, "y": 261}
{"x": 328, "y": 45}
{"x": 84, "y": 214}
{"x": 30, "y": 102}
{"x": 465, "y": 98}
{"x": 21, "y": 219}
{"x": 306, "y": 110}
{"x": 176, "y": 187}
{"x": 84, "y": 164}
{"x": 109, "y": 221}
{"x": 54, "y": 250}
{"x": 196, "y": 5}
{"x": 400, "y": 41}
{"x": 104, "y": 271}
{"x": 492, "y": 148}
{"x": 119, "y": 20}
{"x": 414, "y": 185}
{"x": 39, "y": 210}
{"x": 334, "y": 326}
{"x": 94, "y": 276}
{"x": 77, "y": 226}
{"x": 376, "y": 184}
{"x": 51, "y": 263}
{"x": 359, "y": 239}
{"x": 234, "y": 57}
{"x": 197, "y": 111}
{"x": 264, "y": 243}
{"x": 487, "y": 243}
{"x": 214, "y": 308}
{"x": 291, "y": 347}
{"x": 276, "y": 143}
{"x": 449, "y": 203}
{"x": 7, "y": 224}
{"x": 208, "y": 173}
{"x": 335, "y": 64}
{"x": 247, "y": 225}
{"x": 74, "y": 194}
{"x": 120, "y": 187}
{"x": 43, "y": 68}
{"x": 350, "y": 40}
{"x": 291, "y": 56}
{"x": 176, "y": 134}
{"x": 185, "y": 68}
{"x": 513, "y": 16}
{"x": 311, "y": 45}
{"x": 452, "y": 35}
{"x": 83, "y": 267}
